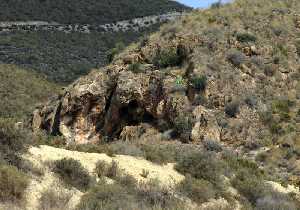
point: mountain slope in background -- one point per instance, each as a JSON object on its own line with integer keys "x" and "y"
{"x": 63, "y": 57}
{"x": 21, "y": 90}
{"x": 84, "y": 11}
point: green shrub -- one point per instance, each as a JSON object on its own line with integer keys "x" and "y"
{"x": 106, "y": 197}
{"x": 201, "y": 165}
{"x": 13, "y": 183}
{"x": 275, "y": 201}
{"x": 127, "y": 181}
{"x": 269, "y": 70}
{"x": 212, "y": 145}
{"x": 199, "y": 82}
{"x": 101, "y": 168}
{"x": 236, "y": 58}
{"x": 235, "y": 164}
{"x": 110, "y": 170}
{"x": 245, "y": 37}
{"x": 168, "y": 57}
{"x": 72, "y": 173}
{"x": 114, "y": 51}
{"x": 183, "y": 125}
{"x": 135, "y": 68}
{"x": 54, "y": 199}
{"x": 154, "y": 195}
{"x": 282, "y": 107}
{"x": 156, "y": 154}
{"x": 232, "y": 109}
{"x": 249, "y": 185}
{"x": 13, "y": 142}
{"x": 113, "y": 170}
{"x": 198, "y": 190}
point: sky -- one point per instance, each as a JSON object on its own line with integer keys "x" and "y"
{"x": 199, "y": 3}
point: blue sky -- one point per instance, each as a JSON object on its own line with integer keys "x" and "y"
{"x": 199, "y": 3}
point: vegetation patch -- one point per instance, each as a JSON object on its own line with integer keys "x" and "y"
{"x": 72, "y": 173}
{"x": 199, "y": 82}
{"x": 13, "y": 183}
{"x": 199, "y": 190}
{"x": 245, "y": 37}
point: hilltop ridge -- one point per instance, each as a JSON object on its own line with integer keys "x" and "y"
{"x": 85, "y": 12}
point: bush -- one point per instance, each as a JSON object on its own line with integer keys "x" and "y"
{"x": 183, "y": 126}
{"x": 127, "y": 181}
{"x": 245, "y": 37}
{"x": 113, "y": 170}
{"x": 12, "y": 183}
{"x": 101, "y": 168}
{"x": 199, "y": 82}
{"x": 106, "y": 197}
{"x": 135, "y": 68}
{"x": 282, "y": 107}
{"x": 212, "y": 145}
{"x": 269, "y": 70}
{"x": 200, "y": 165}
{"x": 251, "y": 101}
{"x": 72, "y": 173}
{"x": 116, "y": 50}
{"x": 12, "y": 142}
{"x": 110, "y": 170}
{"x": 232, "y": 108}
{"x": 236, "y": 58}
{"x": 275, "y": 201}
{"x": 53, "y": 199}
{"x": 154, "y": 195}
{"x": 157, "y": 154}
{"x": 168, "y": 57}
{"x": 249, "y": 185}
{"x": 198, "y": 190}
{"x": 128, "y": 195}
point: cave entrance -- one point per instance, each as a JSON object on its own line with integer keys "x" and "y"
{"x": 133, "y": 114}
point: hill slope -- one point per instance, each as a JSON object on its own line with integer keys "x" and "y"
{"x": 88, "y": 11}
{"x": 225, "y": 79}
{"x": 21, "y": 90}
{"x": 63, "y": 57}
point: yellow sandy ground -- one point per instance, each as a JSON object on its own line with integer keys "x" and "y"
{"x": 40, "y": 156}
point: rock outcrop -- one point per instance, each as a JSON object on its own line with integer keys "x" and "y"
{"x": 105, "y": 102}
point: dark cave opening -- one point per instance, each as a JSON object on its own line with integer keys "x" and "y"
{"x": 133, "y": 114}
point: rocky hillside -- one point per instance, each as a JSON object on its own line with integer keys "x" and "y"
{"x": 216, "y": 93}
{"x": 228, "y": 74}
{"x": 231, "y": 69}
{"x": 85, "y": 12}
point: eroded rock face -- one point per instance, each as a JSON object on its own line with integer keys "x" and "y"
{"x": 114, "y": 101}
{"x": 105, "y": 102}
